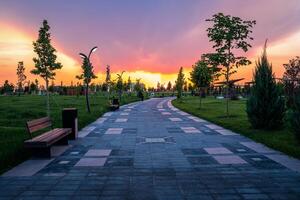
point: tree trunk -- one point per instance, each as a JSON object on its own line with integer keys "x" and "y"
{"x": 120, "y": 95}
{"x": 87, "y": 98}
{"x": 200, "y": 95}
{"x": 227, "y": 81}
{"x": 227, "y": 92}
{"x": 48, "y": 97}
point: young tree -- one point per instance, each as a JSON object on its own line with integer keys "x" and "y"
{"x": 201, "y": 76}
{"x": 108, "y": 77}
{"x": 87, "y": 76}
{"x": 119, "y": 85}
{"x": 179, "y": 83}
{"x": 228, "y": 34}
{"x": 21, "y": 76}
{"x": 129, "y": 84}
{"x": 45, "y": 63}
{"x": 37, "y": 85}
{"x": 265, "y": 106}
{"x": 169, "y": 86}
{"x": 291, "y": 79}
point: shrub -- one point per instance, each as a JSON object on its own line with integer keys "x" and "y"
{"x": 265, "y": 106}
{"x": 295, "y": 117}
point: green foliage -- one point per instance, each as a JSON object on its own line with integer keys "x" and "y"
{"x": 45, "y": 63}
{"x": 265, "y": 106}
{"x": 201, "y": 74}
{"x": 7, "y": 88}
{"x": 169, "y": 86}
{"x": 295, "y": 117}
{"x": 180, "y": 82}
{"x": 291, "y": 79}
{"x": 87, "y": 72}
{"x": 87, "y": 76}
{"x": 229, "y": 33}
{"x": 21, "y": 76}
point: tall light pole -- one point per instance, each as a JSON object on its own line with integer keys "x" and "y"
{"x": 83, "y": 56}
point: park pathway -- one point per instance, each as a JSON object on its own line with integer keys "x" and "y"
{"x": 151, "y": 150}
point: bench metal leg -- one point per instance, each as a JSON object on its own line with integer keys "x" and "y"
{"x": 63, "y": 141}
{"x": 41, "y": 152}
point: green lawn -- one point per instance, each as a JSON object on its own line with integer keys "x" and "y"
{"x": 15, "y": 111}
{"x": 214, "y": 110}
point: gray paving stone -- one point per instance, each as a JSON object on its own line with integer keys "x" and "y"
{"x": 151, "y": 157}
{"x": 91, "y": 162}
{"x": 97, "y": 152}
{"x": 229, "y": 160}
{"x": 217, "y": 150}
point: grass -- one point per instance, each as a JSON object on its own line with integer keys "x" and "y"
{"x": 15, "y": 111}
{"x": 214, "y": 110}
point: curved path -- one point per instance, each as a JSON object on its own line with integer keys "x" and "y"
{"x": 151, "y": 150}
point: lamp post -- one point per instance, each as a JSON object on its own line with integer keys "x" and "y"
{"x": 83, "y": 56}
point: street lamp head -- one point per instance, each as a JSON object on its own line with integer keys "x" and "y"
{"x": 82, "y": 55}
{"x": 94, "y": 49}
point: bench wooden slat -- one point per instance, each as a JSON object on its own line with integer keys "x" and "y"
{"x": 48, "y": 138}
{"x": 38, "y": 124}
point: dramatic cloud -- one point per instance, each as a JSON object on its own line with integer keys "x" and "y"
{"x": 147, "y": 37}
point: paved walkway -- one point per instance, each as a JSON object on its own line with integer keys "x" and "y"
{"x": 151, "y": 150}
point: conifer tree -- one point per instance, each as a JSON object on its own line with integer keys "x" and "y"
{"x": 21, "y": 76}
{"x": 265, "y": 106}
{"x": 45, "y": 63}
{"x": 179, "y": 83}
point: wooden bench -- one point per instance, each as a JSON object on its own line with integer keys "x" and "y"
{"x": 114, "y": 105}
{"x": 41, "y": 145}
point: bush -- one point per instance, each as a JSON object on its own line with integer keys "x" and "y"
{"x": 265, "y": 106}
{"x": 295, "y": 117}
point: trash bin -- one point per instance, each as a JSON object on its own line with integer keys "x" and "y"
{"x": 69, "y": 120}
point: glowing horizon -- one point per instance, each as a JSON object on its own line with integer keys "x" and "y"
{"x": 148, "y": 40}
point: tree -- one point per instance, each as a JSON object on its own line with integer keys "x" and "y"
{"x": 7, "y": 88}
{"x": 295, "y": 117}
{"x": 119, "y": 84}
{"x": 169, "y": 86}
{"x": 37, "y": 85}
{"x": 33, "y": 87}
{"x": 107, "y": 78}
{"x": 87, "y": 76}
{"x": 45, "y": 63}
{"x": 228, "y": 34}
{"x": 291, "y": 79}
{"x": 201, "y": 76}
{"x": 265, "y": 106}
{"x": 179, "y": 83}
{"x": 129, "y": 84}
{"x": 21, "y": 76}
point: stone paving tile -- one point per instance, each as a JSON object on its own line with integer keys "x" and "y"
{"x": 217, "y": 150}
{"x": 114, "y": 131}
{"x": 91, "y": 162}
{"x": 175, "y": 119}
{"x": 151, "y": 157}
{"x": 121, "y": 120}
{"x": 190, "y": 130}
{"x": 98, "y": 152}
{"x": 229, "y": 160}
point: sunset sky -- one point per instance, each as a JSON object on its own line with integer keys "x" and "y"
{"x": 149, "y": 39}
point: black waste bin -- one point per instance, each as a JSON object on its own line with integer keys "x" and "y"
{"x": 69, "y": 120}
